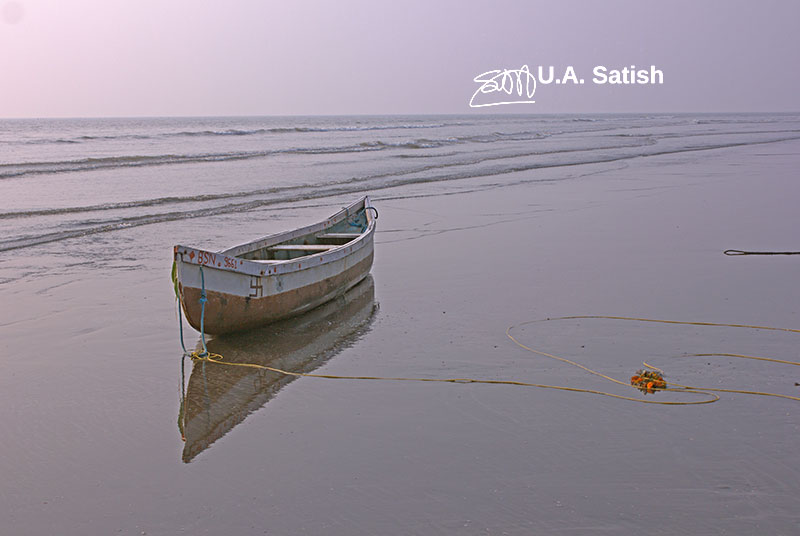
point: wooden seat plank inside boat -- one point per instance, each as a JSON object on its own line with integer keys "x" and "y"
{"x": 301, "y": 247}
{"x": 339, "y": 235}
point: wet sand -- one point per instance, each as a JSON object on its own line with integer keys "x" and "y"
{"x": 90, "y": 396}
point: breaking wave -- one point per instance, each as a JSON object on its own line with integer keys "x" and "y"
{"x": 211, "y": 133}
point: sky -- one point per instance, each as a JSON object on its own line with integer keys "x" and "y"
{"x": 121, "y": 58}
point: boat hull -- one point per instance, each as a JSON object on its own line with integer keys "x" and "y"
{"x": 227, "y": 312}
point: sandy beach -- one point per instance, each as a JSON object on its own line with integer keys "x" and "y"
{"x": 91, "y": 393}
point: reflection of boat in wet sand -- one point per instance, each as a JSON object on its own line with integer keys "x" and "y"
{"x": 218, "y": 397}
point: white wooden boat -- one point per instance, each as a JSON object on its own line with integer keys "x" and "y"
{"x": 278, "y": 276}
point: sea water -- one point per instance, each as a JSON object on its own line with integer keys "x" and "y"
{"x": 65, "y": 182}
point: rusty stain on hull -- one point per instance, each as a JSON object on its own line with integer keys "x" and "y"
{"x": 225, "y": 313}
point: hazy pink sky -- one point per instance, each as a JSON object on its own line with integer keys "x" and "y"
{"x": 70, "y": 58}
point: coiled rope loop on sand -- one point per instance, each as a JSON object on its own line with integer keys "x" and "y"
{"x": 676, "y": 386}
{"x": 672, "y": 386}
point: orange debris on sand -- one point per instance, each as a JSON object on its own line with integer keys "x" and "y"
{"x": 648, "y": 381}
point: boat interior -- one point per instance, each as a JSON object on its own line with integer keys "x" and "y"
{"x": 337, "y": 235}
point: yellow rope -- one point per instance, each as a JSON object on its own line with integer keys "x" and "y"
{"x": 562, "y": 359}
{"x": 668, "y": 322}
{"x": 218, "y": 359}
{"x": 749, "y": 357}
{"x": 609, "y": 378}
{"x": 733, "y": 390}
